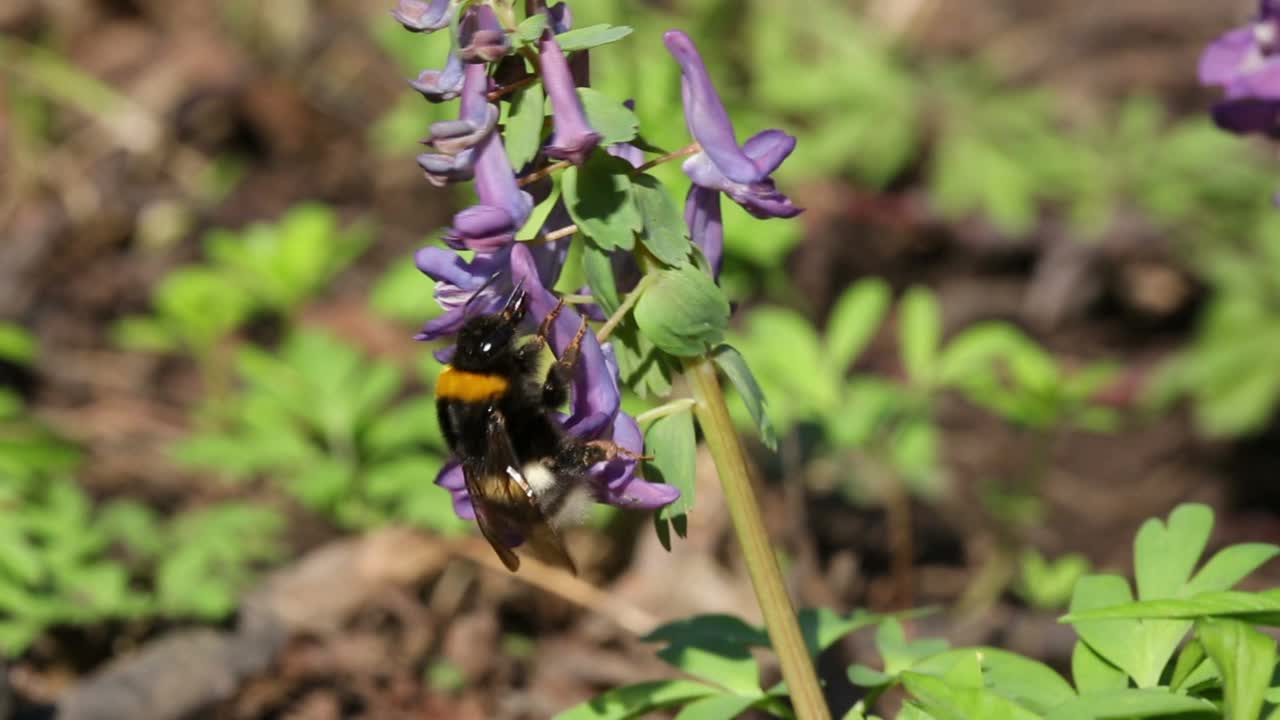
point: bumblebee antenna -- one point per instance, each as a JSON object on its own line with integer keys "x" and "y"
{"x": 466, "y": 308}
{"x": 515, "y": 305}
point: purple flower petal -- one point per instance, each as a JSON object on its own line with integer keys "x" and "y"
{"x": 768, "y": 148}
{"x": 573, "y": 139}
{"x": 705, "y": 114}
{"x": 1225, "y": 56}
{"x": 559, "y": 18}
{"x": 706, "y": 230}
{"x": 452, "y": 479}
{"x": 444, "y": 169}
{"x": 481, "y": 38}
{"x": 419, "y": 16}
{"x": 441, "y": 85}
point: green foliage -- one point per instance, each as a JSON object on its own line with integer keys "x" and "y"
{"x": 267, "y": 267}
{"x": 17, "y": 345}
{"x": 1225, "y": 672}
{"x": 683, "y": 312}
{"x": 598, "y": 198}
{"x": 322, "y": 420}
{"x": 672, "y": 443}
{"x": 63, "y": 561}
{"x": 1048, "y": 584}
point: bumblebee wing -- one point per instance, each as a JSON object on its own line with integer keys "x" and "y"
{"x": 506, "y": 509}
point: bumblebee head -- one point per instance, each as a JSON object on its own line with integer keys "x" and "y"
{"x": 487, "y": 343}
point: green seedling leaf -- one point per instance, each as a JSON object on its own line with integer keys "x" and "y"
{"x": 1049, "y": 584}
{"x": 599, "y": 199}
{"x": 716, "y": 648}
{"x": 529, "y": 30}
{"x": 948, "y": 702}
{"x": 1130, "y": 704}
{"x": 1116, "y": 642}
{"x": 1229, "y": 566}
{"x": 734, "y": 366}
{"x": 717, "y": 707}
{"x": 143, "y": 334}
{"x": 1027, "y": 682}
{"x": 683, "y": 312}
{"x": 920, "y": 334}
{"x": 17, "y": 344}
{"x": 854, "y": 320}
{"x": 897, "y": 654}
{"x": 664, "y": 233}
{"x": 823, "y": 627}
{"x": 1245, "y": 657}
{"x": 673, "y": 445}
{"x": 634, "y": 701}
{"x": 591, "y": 36}
{"x": 1092, "y": 673}
{"x": 615, "y": 122}
{"x": 523, "y": 134}
{"x": 1261, "y": 608}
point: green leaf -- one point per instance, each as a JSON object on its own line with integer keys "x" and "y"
{"x": 598, "y": 267}
{"x": 673, "y": 445}
{"x": 1129, "y": 704}
{"x": 947, "y": 702}
{"x": 523, "y": 134}
{"x": 734, "y": 366}
{"x": 1165, "y": 556}
{"x": 664, "y": 233}
{"x": 920, "y": 333}
{"x": 615, "y": 122}
{"x": 1261, "y": 608}
{"x": 1027, "y": 682}
{"x": 591, "y": 36}
{"x": 1246, "y": 658}
{"x": 538, "y": 218}
{"x": 715, "y": 648}
{"x": 634, "y": 701}
{"x": 599, "y": 199}
{"x": 17, "y": 344}
{"x": 854, "y": 320}
{"x": 1092, "y": 673}
{"x": 1231, "y": 565}
{"x": 529, "y": 30}
{"x": 143, "y": 334}
{"x": 1189, "y": 660}
{"x": 823, "y": 627}
{"x": 683, "y": 312}
{"x": 1116, "y": 642}
{"x": 716, "y": 707}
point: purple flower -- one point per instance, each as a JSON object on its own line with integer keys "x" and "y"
{"x": 1245, "y": 62}
{"x": 573, "y": 138}
{"x": 594, "y": 403}
{"x": 481, "y": 38}
{"x": 456, "y": 140}
{"x": 441, "y": 85}
{"x": 742, "y": 173}
{"x": 702, "y": 215}
{"x": 420, "y": 16}
{"x": 504, "y": 207}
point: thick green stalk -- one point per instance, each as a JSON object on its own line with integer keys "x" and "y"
{"x": 766, "y": 578}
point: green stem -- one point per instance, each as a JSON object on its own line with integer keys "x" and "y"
{"x": 632, "y": 298}
{"x": 671, "y": 408}
{"x": 766, "y": 578}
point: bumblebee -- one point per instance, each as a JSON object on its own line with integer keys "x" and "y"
{"x": 527, "y": 476}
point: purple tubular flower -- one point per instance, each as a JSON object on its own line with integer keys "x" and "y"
{"x": 440, "y": 85}
{"x": 456, "y": 139}
{"x": 702, "y": 215}
{"x": 742, "y": 173}
{"x": 451, "y": 478}
{"x": 573, "y": 139}
{"x": 504, "y": 207}
{"x": 481, "y": 38}
{"x": 1245, "y": 62}
{"x": 559, "y": 18}
{"x": 420, "y": 16}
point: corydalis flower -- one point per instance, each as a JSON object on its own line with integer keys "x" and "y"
{"x": 742, "y": 173}
{"x": 481, "y": 38}
{"x": 419, "y": 16}
{"x": 1245, "y": 62}
{"x": 573, "y": 138}
{"x": 456, "y": 140}
{"x": 594, "y": 404}
{"x": 441, "y": 85}
{"x": 504, "y": 207}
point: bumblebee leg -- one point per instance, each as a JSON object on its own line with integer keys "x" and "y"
{"x": 555, "y": 389}
{"x": 544, "y": 329}
{"x": 609, "y": 450}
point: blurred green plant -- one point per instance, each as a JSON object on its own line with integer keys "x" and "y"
{"x": 265, "y": 268}
{"x": 1233, "y": 391}
{"x": 1126, "y": 663}
{"x": 323, "y": 421}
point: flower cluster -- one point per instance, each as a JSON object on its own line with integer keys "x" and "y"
{"x": 1245, "y": 63}
{"x": 483, "y": 64}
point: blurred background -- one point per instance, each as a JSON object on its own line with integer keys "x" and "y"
{"x": 1034, "y": 300}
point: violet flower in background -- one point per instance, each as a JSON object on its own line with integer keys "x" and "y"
{"x": 1245, "y": 62}
{"x": 420, "y": 16}
{"x": 481, "y": 38}
{"x": 742, "y": 173}
{"x": 441, "y": 85}
{"x": 573, "y": 138}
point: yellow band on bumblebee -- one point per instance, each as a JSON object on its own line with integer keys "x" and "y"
{"x": 455, "y": 384}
